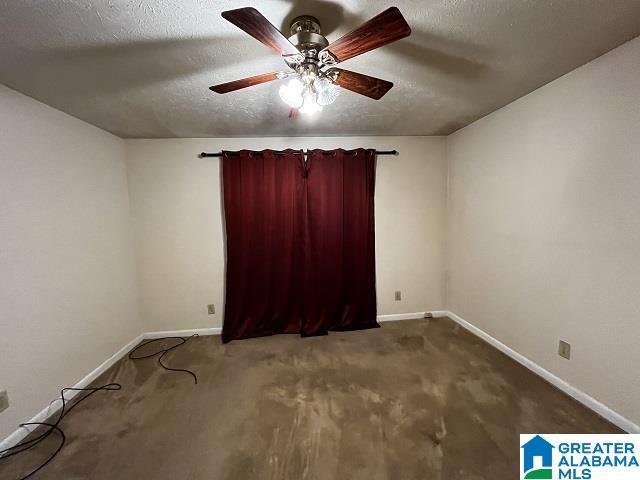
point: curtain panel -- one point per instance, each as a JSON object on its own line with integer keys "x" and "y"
{"x": 300, "y": 242}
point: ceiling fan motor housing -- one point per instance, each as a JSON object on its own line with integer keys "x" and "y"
{"x": 306, "y": 35}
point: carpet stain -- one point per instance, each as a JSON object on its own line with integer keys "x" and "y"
{"x": 412, "y": 400}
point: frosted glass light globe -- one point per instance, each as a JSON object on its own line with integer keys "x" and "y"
{"x": 309, "y": 104}
{"x": 291, "y": 93}
{"x": 326, "y": 91}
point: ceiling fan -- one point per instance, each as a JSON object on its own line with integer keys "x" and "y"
{"x": 311, "y": 58}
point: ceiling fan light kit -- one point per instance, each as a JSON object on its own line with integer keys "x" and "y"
{"x": 311, "y": 59}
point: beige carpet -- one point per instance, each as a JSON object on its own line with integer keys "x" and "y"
{"x": 418, "y": 399}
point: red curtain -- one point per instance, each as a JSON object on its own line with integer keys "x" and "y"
{"x": 300, "y": 242}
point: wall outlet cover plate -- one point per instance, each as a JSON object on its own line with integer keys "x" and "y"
{"x": 564, "y": 349}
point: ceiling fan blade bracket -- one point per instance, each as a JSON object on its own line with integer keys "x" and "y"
{"x": 332, "y": 74}
{"x": 328, "y": 58}
{"x": 280, "y": 75}
{"x": 293, "y": 59}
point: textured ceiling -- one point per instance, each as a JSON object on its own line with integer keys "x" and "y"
{"x": 142, "y": 68}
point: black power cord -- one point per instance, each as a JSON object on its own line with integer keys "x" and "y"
{"x": 163, "y": 352}
{"x": 53, "y": 427}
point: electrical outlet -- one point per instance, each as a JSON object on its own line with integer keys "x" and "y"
{"x": 398, "y": 295}
{"x": 211, "y": 308}
{"x": 564, "y": 349}
{"x": 4, "y": 400}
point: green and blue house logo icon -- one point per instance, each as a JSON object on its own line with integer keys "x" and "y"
{"x": 537, "y": 459}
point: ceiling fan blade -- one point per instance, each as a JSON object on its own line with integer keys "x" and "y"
{"x": 382, "y": 29}
{"x": 371, "y": 87}
{"x": 255, "y": 24}
{"x": 248, "y": 82}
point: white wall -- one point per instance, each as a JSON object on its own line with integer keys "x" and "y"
{"x": 175, "y": 199}
{"x": 542, "y": 214}
{"x": 67, "y": 282}
{"x": 544, "y": 226}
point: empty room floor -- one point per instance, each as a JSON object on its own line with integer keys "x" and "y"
{"x": 417, "y": 399}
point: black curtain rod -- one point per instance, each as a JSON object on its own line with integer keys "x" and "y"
{"x": 378, "y": 152}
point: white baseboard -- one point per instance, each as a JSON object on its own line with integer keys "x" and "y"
{"x": 54, "y": 406}
{"x": 579, "y": 395}
{"x": 595, "y": 405}
{"x": 411, "y": 316}
{"x": 183, "y": 333}
{"x": 400, "y": 316}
